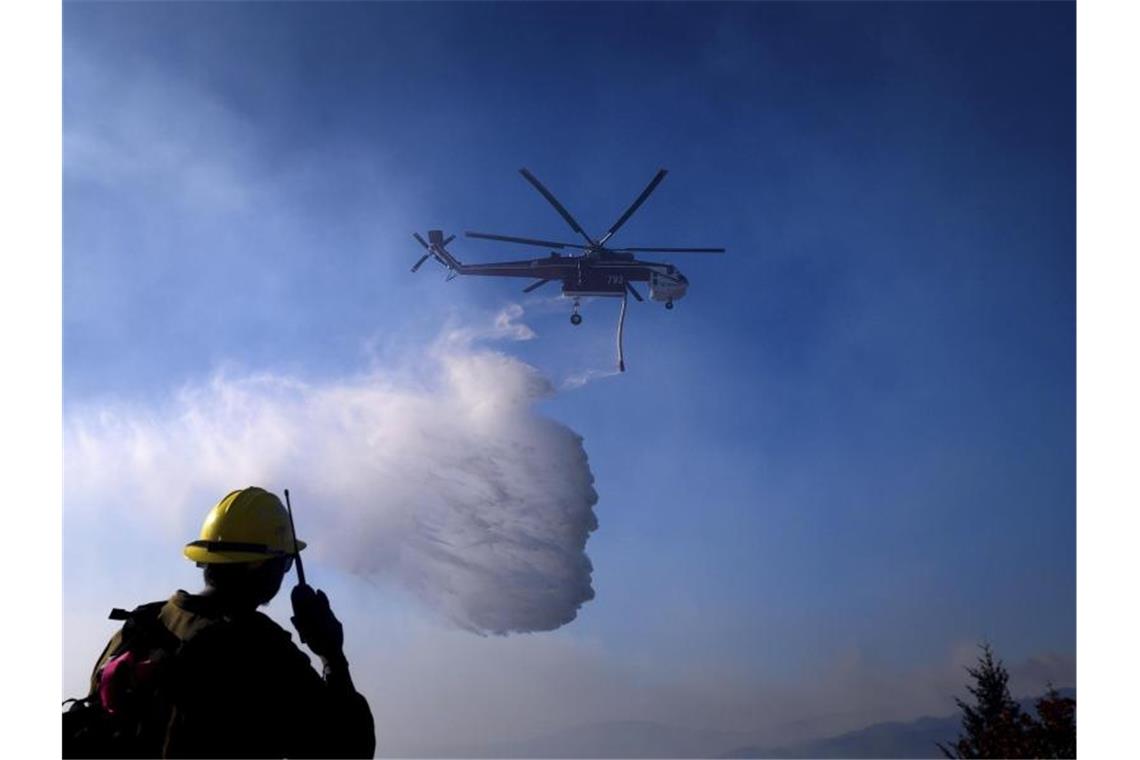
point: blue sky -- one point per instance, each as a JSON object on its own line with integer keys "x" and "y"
{"x": 856, "y": 432}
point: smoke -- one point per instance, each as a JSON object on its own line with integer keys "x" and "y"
{"x": 578, "y": 379}
{"x": 452, "y": 486}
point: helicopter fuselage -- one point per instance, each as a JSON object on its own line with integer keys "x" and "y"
{"x": 598, "y": 272}
{"x": 609, "y": 277}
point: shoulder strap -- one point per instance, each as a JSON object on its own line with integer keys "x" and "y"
{"x": 143, "y": 631}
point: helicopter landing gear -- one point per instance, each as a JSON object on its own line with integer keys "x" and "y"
{"x": 575, "y": 317}
{"x": 669, "y": 304}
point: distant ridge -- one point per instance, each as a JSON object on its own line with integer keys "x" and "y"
{"x": 609, "y": 739}
{"x": 646, "y": 739}
{"x": 912, "y": 739}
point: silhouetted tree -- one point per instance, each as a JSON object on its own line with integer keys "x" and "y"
{"x": 1055, "y": 730}
{"x": 995, "y": 726}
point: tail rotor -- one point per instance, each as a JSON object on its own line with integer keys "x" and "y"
{"x": 435, "y": 249}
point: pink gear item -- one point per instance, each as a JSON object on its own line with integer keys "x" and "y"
{"x": 122, "y": 678}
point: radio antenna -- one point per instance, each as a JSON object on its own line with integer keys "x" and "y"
{"x": 296, "y": 551}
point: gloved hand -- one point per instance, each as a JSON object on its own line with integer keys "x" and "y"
{"x": 315, "y": 622}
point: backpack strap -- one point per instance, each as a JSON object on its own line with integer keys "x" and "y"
{"x": 143, "y": 630}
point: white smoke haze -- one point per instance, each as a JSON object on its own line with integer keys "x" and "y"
{"x": 455, "y": 488}
{"x": 578, "y": 379}
{"x": 503, "y": 326}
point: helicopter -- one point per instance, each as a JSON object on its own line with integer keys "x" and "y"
{"x": 598, "y": 270}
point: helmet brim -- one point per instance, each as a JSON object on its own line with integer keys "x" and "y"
{"x": 205, "y": 556}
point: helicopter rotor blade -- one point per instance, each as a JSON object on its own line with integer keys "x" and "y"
{"x": 549, "y": 196}
{"x": 636, "y": 205}
{"x": 669, "y": 250}
{"x": 535, "y": 285}
{"x": 633, "y": 291}
{"x": 449, "y": 239}
{"x": 522, "y": 240}
{"x": 420, "y": 263}
{"x": 421, "y": 241}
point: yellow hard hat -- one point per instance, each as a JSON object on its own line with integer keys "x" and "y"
{"x": 249, "y": 525}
